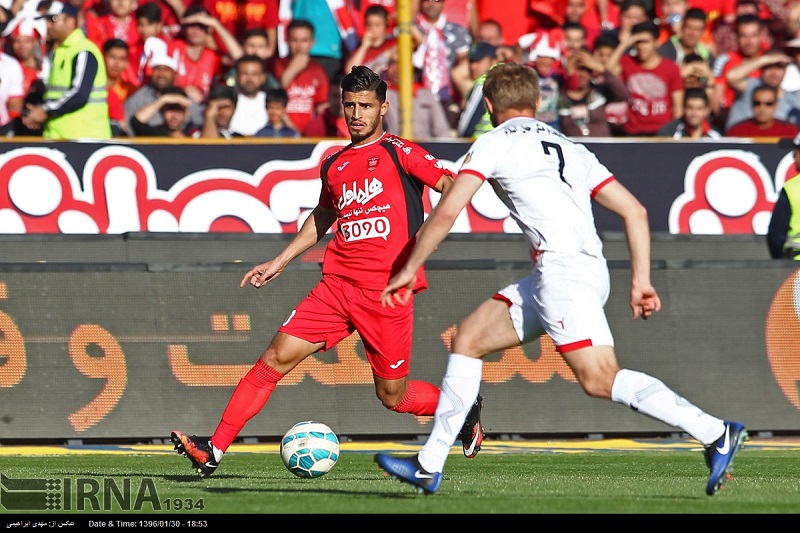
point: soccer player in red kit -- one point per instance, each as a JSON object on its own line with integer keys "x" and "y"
{"x": 373, "y": 189}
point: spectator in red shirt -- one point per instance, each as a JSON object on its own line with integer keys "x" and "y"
{"x": 303, "y": 78}
{"x": 654, "y": 83}
{"x": 575, "y": 13}
{"x": 763, "y": 122}
{"x": 117, "y": 56}
{"x": 376, "y": 46}
{"x": 238, "y": 17}
{"x": 748, "y": 35}
{"x": 118, "y": 23}
{"x": 26, "y": 45}
{"x": 198, "y": 64}
{"x": 359, "y": 9}
{"x": 153, "y": 39}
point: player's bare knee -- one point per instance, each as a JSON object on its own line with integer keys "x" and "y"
{"x": 389, "y": 400}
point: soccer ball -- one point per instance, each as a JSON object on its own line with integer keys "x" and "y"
{"x": 310, "y": 449}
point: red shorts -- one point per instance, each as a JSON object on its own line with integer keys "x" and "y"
{"x": 335, "y": 308}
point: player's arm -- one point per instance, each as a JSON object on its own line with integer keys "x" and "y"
{"x": 617, "y": 199}
{"x": 312, "y": 230}
{"x": 444, "y": 183}
{"x": 433, "y": 231}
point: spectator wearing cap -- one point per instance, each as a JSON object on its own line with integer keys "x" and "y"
{"x": 163, "y": 73}
{"x": 173, "y": 105}
{"x": 153, "y": 39}
{"x": 27, "y": 38}
{"x": 474, "y": 120}
{"x": 783, "y": 233}
{"x": 76, "y": 99}
{"x": 547, "y": 64}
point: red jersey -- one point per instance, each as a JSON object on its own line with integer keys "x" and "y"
{"x": 376, "y": 190}
{"x": 200, "y": 73}
{"x": 238, "y": 16}
{"x": 308, "y": 89}
{"x": 650, "y": 100}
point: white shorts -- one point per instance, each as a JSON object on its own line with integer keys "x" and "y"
{"x": 564, "y": 297}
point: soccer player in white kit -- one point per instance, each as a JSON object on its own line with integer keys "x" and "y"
{"x": 547, "y": 181}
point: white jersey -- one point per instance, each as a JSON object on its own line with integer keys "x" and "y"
{"x": 546, "y": 180}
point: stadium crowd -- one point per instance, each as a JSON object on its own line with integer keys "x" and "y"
{"x": 269, "y": 68}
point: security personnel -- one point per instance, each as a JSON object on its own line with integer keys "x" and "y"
{"x": 76, "y": 100}
{"x": 783, "y": 235}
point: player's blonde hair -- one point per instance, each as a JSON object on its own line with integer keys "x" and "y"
{"x": 512, "y": 86}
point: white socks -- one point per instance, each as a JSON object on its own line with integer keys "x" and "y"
{"x": 648, "y": 395}
{"x": 460, "y": 386}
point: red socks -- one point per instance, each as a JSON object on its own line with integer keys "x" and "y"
{"x": 420, "y": 399}
{"x": 249, "y": 397}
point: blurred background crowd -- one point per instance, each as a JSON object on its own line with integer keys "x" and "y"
{"x": 271, "y": 68}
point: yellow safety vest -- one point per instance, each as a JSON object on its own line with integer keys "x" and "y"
{"x": 791, "y": 247}
{"x": 90, "y": 121}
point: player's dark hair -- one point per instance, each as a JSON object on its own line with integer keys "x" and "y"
{"x": 361, "y": 79}
{"x": 512, "y": 86}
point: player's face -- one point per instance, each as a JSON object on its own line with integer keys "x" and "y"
{"x": 364, "y": 115}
